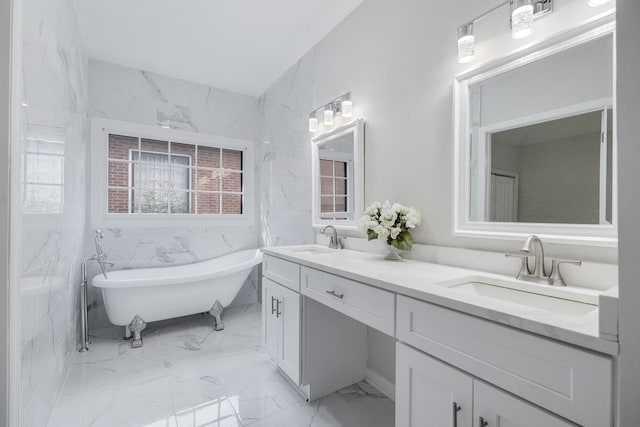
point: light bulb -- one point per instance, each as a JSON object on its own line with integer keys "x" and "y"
{"x": 328, "y": 117}
{"x": 596, "y": 3}
{"x": 522, "y": 19}
{"x": 466, "y": 43}
{"x": 347, "y": 108}
{"x": 313, "y": 124}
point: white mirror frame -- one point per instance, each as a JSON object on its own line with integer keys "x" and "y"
{"x": 357, "y": 128}
{"x": 579, "y": 234}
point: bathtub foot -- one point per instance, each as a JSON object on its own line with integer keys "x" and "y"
{"x": 216, "y": 313}
{"x": 136, "y": 327}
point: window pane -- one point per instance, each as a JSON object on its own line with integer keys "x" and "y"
{"x": 184, "y": 149}
{"x": 326, "y": 168}
{"x": 118, "y": 201}
{"x": 232, "y": 204}
{"x": 209, "y": 203}
{"x": 42, "y": 199}
{"x": 326, "y": 204}
{"x": 180, "y": 202}
{"x": 341, "y": 204}
{"x": 119, "y": 174}
{"x": 232, "y": 181}
{"x": 179, "y": 178}
{"x": 119, "y": 146}
{"x": 150, "y": 201}
{"x": 341, "y": 186}
{"x": 341, "y": 169}
{"x": 208, "y": 157}
{"x": 208, "y": 180}
{"x": 155, "y": 145}
{"x": 232, "y": 159}
{"x": 326, "y": 186}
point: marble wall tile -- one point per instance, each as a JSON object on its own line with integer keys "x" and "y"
{"x": 126, "y": 94}
{"x": 284, "y": 157}
{"x": 54, "y": 141}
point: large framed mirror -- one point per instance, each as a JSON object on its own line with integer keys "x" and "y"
{"x": 535, "y": 143}
{"x": 338, "y": 176}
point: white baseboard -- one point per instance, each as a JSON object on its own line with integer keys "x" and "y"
{"x": 384, "y": 385}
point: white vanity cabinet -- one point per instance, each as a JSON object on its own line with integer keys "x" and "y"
{"x": 427, "y": 391}
{"x": 281, "y": 327}
{"x": 430, "y": 393}
{"x": 281, "y": 315}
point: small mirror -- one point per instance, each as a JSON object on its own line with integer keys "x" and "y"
{"x": 338, "y": 176}
{"x": 535, "y": 143}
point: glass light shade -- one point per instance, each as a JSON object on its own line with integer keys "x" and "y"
{"x": 347, "y": 108}
{"x": 596, "y": 3}
{"x": 522, "y": 19}
{"x": 466, "y": 43}
{"x": 328, "y": 117}
{"x": 313, "y": 124}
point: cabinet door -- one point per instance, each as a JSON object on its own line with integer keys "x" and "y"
{"x": 288, "y": 313}
{"x": 427, "y": 390}
{"x": 270, "y": 323}
{"x": 499, "y": 409}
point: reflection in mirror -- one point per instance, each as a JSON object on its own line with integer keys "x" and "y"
{"x": 542, "y": 141}
{"x": 338, "y": 176}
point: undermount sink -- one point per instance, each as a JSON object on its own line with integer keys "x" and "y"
{"x": 312, "y": 250}
{"x": 563, "y": 301}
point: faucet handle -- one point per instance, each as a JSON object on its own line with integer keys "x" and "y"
{"x": 524, "y": 265}
{"x": 556, "y": 276}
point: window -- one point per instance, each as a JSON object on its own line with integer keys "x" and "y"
{"x": 162, "y": 173}
{"x": 334, "y": 184}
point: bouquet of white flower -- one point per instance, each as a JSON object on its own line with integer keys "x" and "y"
{"x": 390, "y": 223}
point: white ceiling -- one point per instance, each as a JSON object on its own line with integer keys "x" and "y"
{"x": 237, "y": 45}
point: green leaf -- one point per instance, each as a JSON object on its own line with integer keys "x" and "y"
{"x": 371, "y": 235}
{"x": 404, "y": 242}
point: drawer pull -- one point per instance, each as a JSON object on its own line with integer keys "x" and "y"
{"x": 334, "y": 294}
{"x": 273, "y": 309}
{"x": 483, "y": 423}
{"x": 455, "y": 409}
{"x": 278, "y": 312}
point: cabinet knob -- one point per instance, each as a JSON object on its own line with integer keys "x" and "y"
{"x": 454, "y": 410}
{"x": 482, "y": 422}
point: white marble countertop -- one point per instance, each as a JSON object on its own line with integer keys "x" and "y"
{"x": 427, "y": 282}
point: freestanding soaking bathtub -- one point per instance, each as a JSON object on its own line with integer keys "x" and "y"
{"x": 134, "y": 297}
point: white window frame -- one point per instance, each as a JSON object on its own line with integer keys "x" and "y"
{"x": 100, "y": 216}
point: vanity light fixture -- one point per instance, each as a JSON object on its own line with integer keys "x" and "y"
{"x": 521, "y": 19}
{"x": 341, "y": 106}
{"x": 523, "y": 13}
{"x": 328, "y": 116}
{"x": 466, "y": 43}
{"x": 313, "y": 123}
{"x": 347, "y": 108}
{"x": 596, "y": 3}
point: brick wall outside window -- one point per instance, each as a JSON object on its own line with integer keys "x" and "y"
{"x": 333, "y": 188}
{"x": 215, "y": 177}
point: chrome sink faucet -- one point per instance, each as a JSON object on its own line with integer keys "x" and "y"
{"x": 334, "y": 242}
{"x": 539, "y": 273}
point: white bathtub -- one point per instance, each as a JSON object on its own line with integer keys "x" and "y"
{"x": 166, "y": 292}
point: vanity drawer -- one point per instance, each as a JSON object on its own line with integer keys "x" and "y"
{"x": 367, "y": 304}
{"x": 573, "y": 383}
{"x": 286, "y": 273}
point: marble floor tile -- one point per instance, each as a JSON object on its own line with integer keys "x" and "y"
{"x": 187, "y": 375}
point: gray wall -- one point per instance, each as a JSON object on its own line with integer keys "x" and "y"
{"x": 628, "y": 103}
